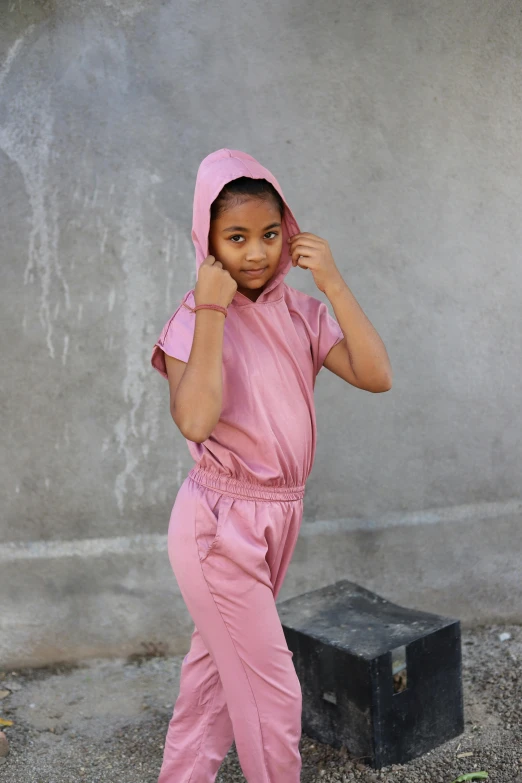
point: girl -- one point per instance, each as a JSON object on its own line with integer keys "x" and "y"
{"x": 241, "y": 354}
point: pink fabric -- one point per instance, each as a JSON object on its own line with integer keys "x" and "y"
{"x": 230, "y": 544}
{"x": 236, "y": 517}
{"x": 273, "y": 350}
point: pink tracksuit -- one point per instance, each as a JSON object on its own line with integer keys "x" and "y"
{"x": 236, "y": 517}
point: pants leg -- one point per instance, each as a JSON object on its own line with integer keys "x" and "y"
{"x": 230, "y": 554}
{"x": 200, "y": 729}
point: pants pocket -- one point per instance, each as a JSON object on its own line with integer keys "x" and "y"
{"x": 210, "y": 518}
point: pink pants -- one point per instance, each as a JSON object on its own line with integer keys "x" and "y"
{"x": 230, "y": 544}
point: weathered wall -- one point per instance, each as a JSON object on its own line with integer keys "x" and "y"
{"x": 394, "y": 129}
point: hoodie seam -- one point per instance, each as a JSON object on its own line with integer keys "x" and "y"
{"x": 254, "y": 304}
{"x": 242, "y": 160}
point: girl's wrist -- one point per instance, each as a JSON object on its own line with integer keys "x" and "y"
{"x": 214, "y": 308}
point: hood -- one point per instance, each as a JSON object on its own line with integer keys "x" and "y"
{"x": 214, "y": 172}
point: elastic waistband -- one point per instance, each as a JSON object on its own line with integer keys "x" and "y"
{"x": 244, "y": 489}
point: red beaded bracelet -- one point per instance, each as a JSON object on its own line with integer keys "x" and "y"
{"x": 211, "y": 307}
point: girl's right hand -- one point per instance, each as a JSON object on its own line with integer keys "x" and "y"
{"x": 215, "y": 285}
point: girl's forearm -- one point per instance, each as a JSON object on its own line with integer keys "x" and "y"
{"x": 367, "y": 353}
{"x": 199, "y": 394}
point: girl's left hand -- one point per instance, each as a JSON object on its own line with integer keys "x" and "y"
{"x": 311, "y": 252}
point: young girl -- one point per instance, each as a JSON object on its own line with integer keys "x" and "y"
{"x": 241, "y": 354}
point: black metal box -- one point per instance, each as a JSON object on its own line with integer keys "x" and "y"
{"x": 379, "y": 679}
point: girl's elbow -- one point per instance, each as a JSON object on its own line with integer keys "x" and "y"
{"x": 193, "y": 431}
{"x": 196, "y": 436}
{"x": 385, "y": 384}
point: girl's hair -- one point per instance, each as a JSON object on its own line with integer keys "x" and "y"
{"x": 235, "y": 191}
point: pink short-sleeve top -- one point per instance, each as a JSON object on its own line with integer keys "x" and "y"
{"x": 273, "y": 349}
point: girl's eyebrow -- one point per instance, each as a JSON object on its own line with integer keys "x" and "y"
{"x": 241, "y": 228}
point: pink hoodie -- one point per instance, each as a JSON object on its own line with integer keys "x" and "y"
{"x": 273, "y": 349}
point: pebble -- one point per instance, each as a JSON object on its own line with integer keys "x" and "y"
{"x": 4, "y": 745}
{"x": 11, "y": 686}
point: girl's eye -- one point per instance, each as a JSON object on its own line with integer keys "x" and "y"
{"x": 238, "y": 236}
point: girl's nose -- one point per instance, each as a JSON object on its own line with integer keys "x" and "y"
{"x": 256, "y": 253}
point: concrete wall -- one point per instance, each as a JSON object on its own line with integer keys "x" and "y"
{"x": 394, "y": 129}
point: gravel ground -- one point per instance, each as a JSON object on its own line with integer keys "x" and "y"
{"x": 104, "y": 721}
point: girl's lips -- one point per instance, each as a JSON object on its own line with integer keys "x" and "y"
{"x": 255, "y": 272}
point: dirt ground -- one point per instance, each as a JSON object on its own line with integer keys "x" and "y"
{"x": 104, "y": 721}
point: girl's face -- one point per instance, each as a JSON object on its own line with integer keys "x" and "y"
{"x": 248, "y": 236}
